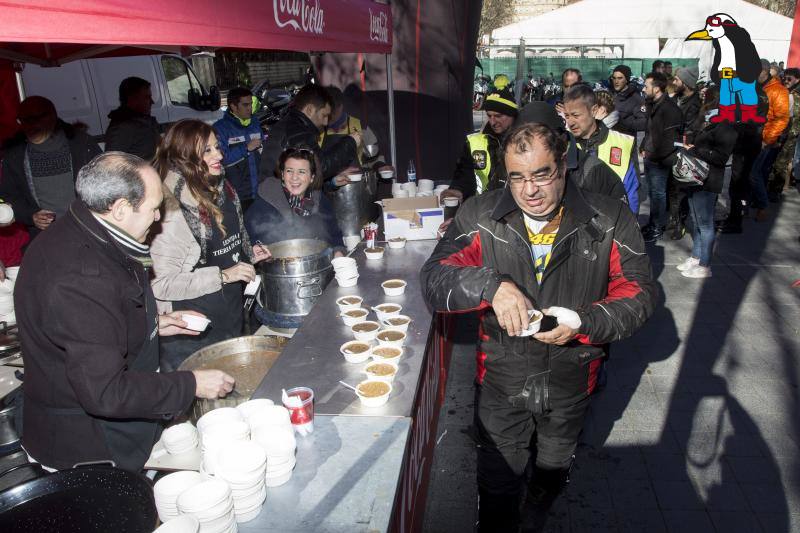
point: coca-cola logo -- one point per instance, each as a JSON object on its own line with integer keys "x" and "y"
{"x": 302, "y": 15}
{"x": 378, "y": 27}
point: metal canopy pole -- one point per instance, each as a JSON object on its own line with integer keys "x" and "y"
{"x": 390, "y": 96}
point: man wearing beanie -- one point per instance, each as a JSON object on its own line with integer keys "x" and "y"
{"x": 628, "y": 102}
{"x": 688, "y": 99}
{"x": 480, "y": 167}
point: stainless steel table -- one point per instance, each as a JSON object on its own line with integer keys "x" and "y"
{"x": 312, "y": 358}
{"x": 345, "y": 480}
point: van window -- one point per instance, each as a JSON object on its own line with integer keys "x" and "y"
{"x": 179, "y": 80}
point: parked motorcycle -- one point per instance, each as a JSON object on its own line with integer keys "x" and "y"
{"x": 273, "y": 103}
{"x": 479, "y": 91}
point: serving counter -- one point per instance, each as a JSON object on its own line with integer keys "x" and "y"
{"x": 395, "y": 441}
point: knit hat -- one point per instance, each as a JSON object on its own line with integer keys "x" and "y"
{"x": 688, "y": 75}
{"x": 501, "y": 101}
{"x": 540, "y": 113}
{"x": 624, "y": 69}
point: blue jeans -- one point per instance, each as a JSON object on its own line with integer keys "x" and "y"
{"x": 657, "y": 176}
{"x": 729, "y": 88}
{"x": 701, "y": 209}
{"x": 759, "y": 176}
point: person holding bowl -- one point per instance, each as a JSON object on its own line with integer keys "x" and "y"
{"x": 202, "y": 256}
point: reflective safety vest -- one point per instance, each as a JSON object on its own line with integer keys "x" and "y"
{"x": 481, "y": 161}
{"x": 352, "y": 125}
{"x": 616, "y": 152}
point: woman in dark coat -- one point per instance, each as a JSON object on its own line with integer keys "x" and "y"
{"x": 713, "y": 144}
{"x": 293, "y": 206}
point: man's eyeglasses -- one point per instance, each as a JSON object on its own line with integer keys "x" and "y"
{"x": 539, "y": 181}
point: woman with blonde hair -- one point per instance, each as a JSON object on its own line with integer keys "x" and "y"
{"x": 202, "y": 256}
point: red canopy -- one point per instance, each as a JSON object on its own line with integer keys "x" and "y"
{"x": 76, "y": 29}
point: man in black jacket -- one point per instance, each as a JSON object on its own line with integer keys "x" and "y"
{"x": 539, "y": 244}
{"x": 41, "y": 165}
{"x": 133, "y": 129}
{"x": 628, "y": 102}
{"x": 300, "y": 128}
{"x": 688, "y": 100}
{"x": 664, "y": 122}
{"x": 480, "y": 167}
{"x": 89, "y": 326}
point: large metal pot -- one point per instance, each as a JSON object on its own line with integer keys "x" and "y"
{"x": 295, "y": 276}
{"x": 354, "y": 204}
{"x": 247, "y": 359}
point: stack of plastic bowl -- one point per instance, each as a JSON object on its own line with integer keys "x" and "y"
{"x": 439, "y": 189}
{"x": 279, "y": 443}
{"x": 243, "y": 465}
{"x": 346, "y": 271}
{"x": 218, "y": 428}
{"x": 211, "y": 502}
{"x": 184, "y": 523}
{"x": 425, "y": 188}
{"x": 168, "y": 488}
{"x": 180, "y": 438}
{"x": 271, "y": 416}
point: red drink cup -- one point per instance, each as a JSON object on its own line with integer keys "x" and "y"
{"x": 302, "y": 417}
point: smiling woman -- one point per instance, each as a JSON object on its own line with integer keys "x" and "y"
{"x": 202, "y": 256}
{"x": 293, "y": 206}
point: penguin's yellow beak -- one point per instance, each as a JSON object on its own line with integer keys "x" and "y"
{"x": 701, "y": 35}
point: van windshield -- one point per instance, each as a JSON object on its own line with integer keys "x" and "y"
{"x": 179, "y": 79}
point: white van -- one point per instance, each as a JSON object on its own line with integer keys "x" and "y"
{"x": 87, "y": 90}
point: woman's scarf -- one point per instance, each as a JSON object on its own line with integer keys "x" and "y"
{"x": 300, "y": 204}
{"x": 200, "y": 220}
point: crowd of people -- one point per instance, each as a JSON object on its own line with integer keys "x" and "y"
{"x": 118, "y": 246}
{"x": 639, "y": 131}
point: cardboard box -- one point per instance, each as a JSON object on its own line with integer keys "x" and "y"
{"x": 413, "y": 218}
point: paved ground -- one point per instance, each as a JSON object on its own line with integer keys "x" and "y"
{"x": 698, "y": 429}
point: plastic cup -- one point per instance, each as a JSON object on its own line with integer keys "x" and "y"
{"x": 302, "y": 417}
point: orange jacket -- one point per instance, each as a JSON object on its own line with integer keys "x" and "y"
{"x": 778, "y": 114}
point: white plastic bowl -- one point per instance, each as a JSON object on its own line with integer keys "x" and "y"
{"x": 170, "y": 486}
{"x": 352, "y": 357}
{"x": 387, "y": 354}
{"x": 365, "y": 336}
{"x": 534, "y": 324}
{"x": 374, "y": 255}
{"x": 374, "y": 401}
{"x": 250, "y": 407}
{"x": 347, "y": 306}
{"x": 241, "y": 458}
{"x": 184, "y": 523}
{"x": 341, "y": 262}
{"x": 195, "y": 323}
{"x": 215, "y": 416}
{"x": 204, "y": 498}
{"x": 394, "y": 291}
{"x": 383, "y": 341}
{"x": 451, "y": 202}
{"x": 381, "y": 377}
{"x": 425, "y": 185}
{"x": 386, "y": 174}
{"x": 277, "y": 442}
{"x": 387, "y": 310}
{"x": 274, "y": 415}
{"x": 355, "y": 177}
{"x": 398, "y": 327}
{"x": 180, "y": 438}
{"x": 361, "y": 316}
{"x": 397, "y": 243}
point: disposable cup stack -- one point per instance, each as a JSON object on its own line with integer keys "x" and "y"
{"x": 346, "y": 271}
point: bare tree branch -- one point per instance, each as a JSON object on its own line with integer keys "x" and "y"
{"x": 495, "y": 14}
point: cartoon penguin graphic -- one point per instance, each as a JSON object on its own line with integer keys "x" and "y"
{"x": 736, "y": 67}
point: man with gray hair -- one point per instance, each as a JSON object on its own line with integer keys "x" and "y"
{"x": 89, "y": 326}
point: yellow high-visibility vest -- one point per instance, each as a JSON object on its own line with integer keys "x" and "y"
{"x": 352, "y": 125}
{"x": 616, "y": 152}
{"x": 482, "y": 162}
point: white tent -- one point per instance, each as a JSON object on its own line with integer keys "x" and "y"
{"x": 635, "y": 27}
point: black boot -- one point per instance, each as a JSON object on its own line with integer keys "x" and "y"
{"x": 543, "y": 489}
{"x": 497, "y": 513}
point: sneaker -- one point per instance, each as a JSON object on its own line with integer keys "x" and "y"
{"x": 697, "y": 272}
{"x": 688, "y": 264}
